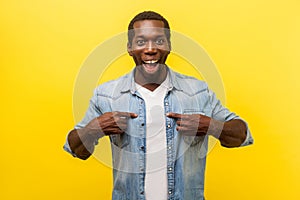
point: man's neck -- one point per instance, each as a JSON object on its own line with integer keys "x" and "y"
{"x": 151, "y": 84}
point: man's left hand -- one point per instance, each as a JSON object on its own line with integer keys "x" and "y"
{"x": 191, "y": 124}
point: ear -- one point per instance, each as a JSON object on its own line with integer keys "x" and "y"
{"x": 129, "y": 48}
{"x": 170, "y": 46}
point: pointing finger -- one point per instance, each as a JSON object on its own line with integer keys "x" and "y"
{"x": 125, "y": 115}
{"x": 133, "y": 115}
{"x": 174, "y": 115}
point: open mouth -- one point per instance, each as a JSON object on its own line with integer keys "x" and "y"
{"x": 150, "y": 62}
{"x": 150, "y": 66}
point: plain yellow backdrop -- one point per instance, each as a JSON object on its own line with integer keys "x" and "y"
{"x": 254, "y": 44}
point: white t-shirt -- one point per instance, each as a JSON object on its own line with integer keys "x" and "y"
{"x": 156, "y": 182}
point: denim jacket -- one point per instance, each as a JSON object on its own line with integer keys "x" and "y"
{"x": 186, "y": 155}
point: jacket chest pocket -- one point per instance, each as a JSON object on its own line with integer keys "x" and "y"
{"x": 120, "y": 140}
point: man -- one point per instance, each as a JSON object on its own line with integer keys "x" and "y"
{"x": 158, "y": 122}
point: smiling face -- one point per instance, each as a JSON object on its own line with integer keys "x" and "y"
{"x": 149, "y": 49}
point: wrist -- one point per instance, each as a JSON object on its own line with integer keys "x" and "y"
{"x": 93, "y": 129}
{"x": 215, "y": 128}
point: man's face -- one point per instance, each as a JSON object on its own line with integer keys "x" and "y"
{"x": 149, "y": 47}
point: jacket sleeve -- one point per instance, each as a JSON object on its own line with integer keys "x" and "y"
{"x": 221, "y": 113}
{"x": 92, "y": 112}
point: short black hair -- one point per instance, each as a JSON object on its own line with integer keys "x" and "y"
{"x": 148, "y": 15}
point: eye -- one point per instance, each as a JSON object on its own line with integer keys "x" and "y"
{"x": 160, "y": 41}
{"x": 140, "y": 42}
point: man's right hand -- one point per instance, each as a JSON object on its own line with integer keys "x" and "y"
{"x": 111, "y": 122}
{"x": 82, "y": 141}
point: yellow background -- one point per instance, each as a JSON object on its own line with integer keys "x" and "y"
{"x": 255, "y": 45}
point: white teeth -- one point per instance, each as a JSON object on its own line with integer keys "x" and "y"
{"x": 150, "y": 61}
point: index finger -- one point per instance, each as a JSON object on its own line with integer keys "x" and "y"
{"x": 127, "y": 114}
{"x": 174, "y": 115}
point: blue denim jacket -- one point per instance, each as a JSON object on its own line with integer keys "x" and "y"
{"x": 186, "y": 155}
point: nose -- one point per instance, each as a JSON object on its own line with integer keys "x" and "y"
{"x": 150, "y": 48}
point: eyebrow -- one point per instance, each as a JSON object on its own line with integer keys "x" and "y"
{"x": 142, "y": 36}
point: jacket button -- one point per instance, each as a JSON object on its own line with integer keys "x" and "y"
{"x": 142, "y": 192}
{"x": 142, "y": 124}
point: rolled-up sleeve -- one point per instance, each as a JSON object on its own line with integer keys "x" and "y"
{"x": 67, "y": 148}
{"x": 249, "y": 138}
